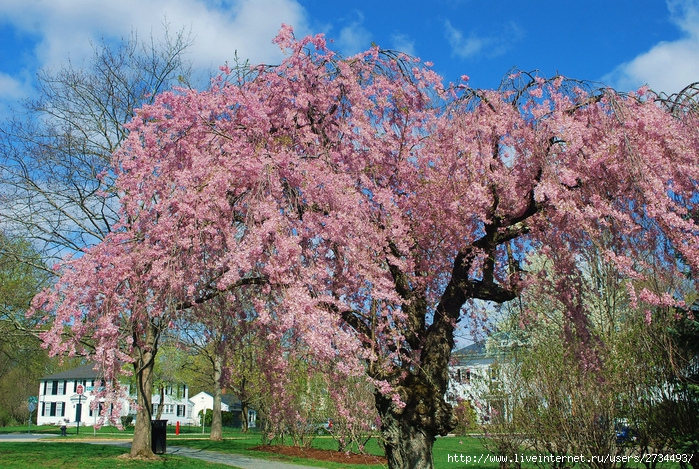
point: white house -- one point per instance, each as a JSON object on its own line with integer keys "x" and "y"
{"x": 473, "y": 373}
{"x": 177, "y": 407}
{"x": 482, "y": 374}
{"x": 66, "y": 397}
{"x": 229, "y": 403}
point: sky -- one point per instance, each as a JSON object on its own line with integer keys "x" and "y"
{"x": 620, "y": 43}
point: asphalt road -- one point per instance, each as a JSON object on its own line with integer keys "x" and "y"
{"x": 23, "y": 437}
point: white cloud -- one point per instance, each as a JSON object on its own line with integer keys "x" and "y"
{"x": 669, "y": 66}
{"x": 463, "y": 47}
{"x": 403, "y": 43}
{"x": 10, "y": 86}
{"x": 67, "y": 29}
{"x": 354, "y": 37}
{"x": 469, "y": 47}
{"x": 13, "y": 89}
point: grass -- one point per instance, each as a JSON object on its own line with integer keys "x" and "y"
{"x": 448, "y": 453}
{"x": 236, "y": 443}
{"x": 447, "y": 449}
{"x": 86, "y": 456}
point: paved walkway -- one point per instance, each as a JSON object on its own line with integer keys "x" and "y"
{"x": 243, "y": 462}
{"x": 23, "y": 437}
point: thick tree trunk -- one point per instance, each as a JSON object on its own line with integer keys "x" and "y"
{"x": 141, "y": 445}
{"x": 216, "y": 421}
{"x": 144, "y": 365}
{"x": 409, "y": 432}
{"x": 411, "y": 448}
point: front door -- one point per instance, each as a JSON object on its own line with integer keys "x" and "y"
{"x": 78, "y": 412}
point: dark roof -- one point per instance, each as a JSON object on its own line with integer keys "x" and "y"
{"x": 231, "y": 400}
{"x": 82, "y": 372}
{"x": 476, "y": 348}
{"x": 474, "y": 354}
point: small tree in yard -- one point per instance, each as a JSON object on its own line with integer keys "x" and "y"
{"x": 207, "y": 336}
{"x": 353, "y": 417}
{"x": 371, "y": 205}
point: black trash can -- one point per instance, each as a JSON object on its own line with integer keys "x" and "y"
{"x": 158, "y": 434}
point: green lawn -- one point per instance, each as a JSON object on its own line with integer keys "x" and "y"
{"x": 85, "y": 456}
{"x": 449, "y": 452}
{"x": 235, "y": 442}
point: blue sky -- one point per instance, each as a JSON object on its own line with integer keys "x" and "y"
{"x": 623, "y": 43}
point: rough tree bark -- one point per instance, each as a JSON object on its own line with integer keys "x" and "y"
{"x": 216, "y": 420}
{"x": 143, "y": 371}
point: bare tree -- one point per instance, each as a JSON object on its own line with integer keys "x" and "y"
{"x": 55, "y": 154}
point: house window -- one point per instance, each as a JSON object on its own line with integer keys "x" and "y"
{"x": 76, "y": 382}
{"x": 169, "y": 409}
{"x": 463, "y": 376}
{"x": 57, "y": 387}
{"x": 180, "y": 410}
{"x": 98, "y": 410}
{"x": 155, "y": 409}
